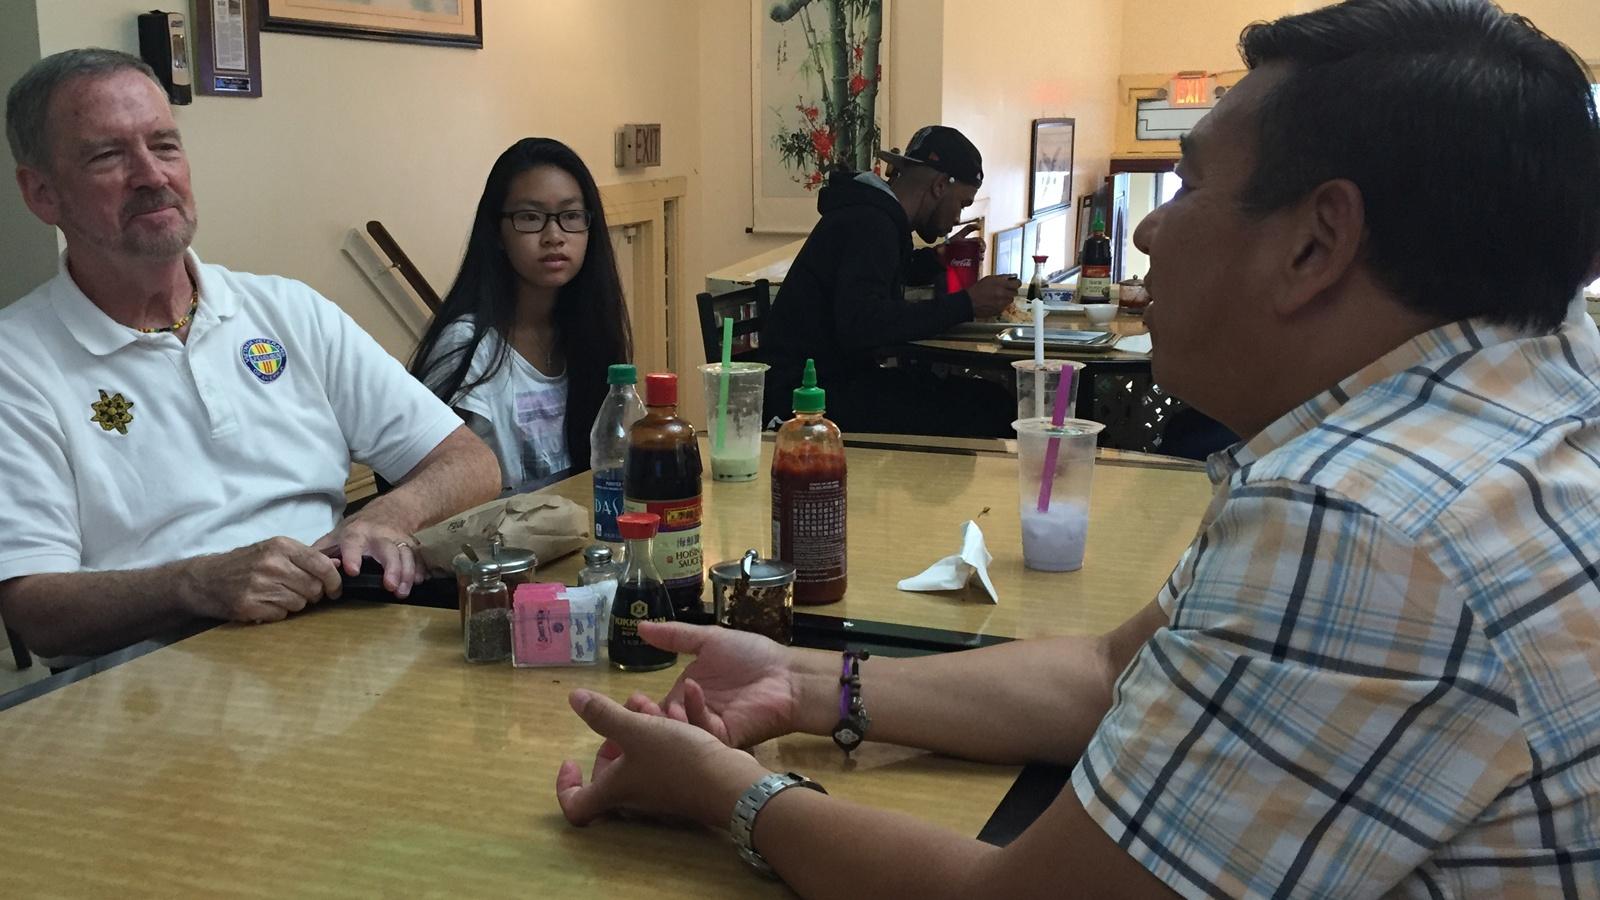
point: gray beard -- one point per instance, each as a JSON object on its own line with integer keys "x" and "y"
{"x": 162, "y": 246}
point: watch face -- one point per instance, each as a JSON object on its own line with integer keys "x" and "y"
{"x": 846, "y": 736}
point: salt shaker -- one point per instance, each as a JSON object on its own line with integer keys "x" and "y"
{"x": 598, "y": 565}
{"x": 601, "y": 571}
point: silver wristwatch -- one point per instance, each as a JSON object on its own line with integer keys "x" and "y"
{"x": 743, "y": 823}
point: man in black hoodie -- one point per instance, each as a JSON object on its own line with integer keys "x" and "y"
{"x": 845, "y": 297}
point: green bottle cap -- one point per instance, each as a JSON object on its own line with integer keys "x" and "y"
{"x": 808, "y": 398}
{"x": 622, "y": 373}
{"x": 1099, "y": 222}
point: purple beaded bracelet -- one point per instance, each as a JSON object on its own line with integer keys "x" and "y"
{"x": 853, "y": 719}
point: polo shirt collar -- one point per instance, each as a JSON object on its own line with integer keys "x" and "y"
{"x": 102, "y": 335}
{"x": 1429, "y": 348}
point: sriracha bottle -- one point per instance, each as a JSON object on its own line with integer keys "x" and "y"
{"x": 808, "y": 497}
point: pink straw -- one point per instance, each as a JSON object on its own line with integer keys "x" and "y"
{"x": 1058, "y": 416}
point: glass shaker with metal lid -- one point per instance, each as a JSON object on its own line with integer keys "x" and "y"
{"x": 602, "y": 572}
{"x": 486, "y": 634}
{"x": 516, "y": 566}
{"x": 757, "y": 595}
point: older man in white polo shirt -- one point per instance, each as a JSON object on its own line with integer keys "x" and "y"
{"x": 177, "y": 436}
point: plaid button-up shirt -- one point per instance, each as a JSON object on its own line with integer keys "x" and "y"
{"x": 1382, "y": 670}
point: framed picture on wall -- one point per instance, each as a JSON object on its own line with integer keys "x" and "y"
{"x": 1007, "y": 253}
{"x": 818, "y": 103}
{"x": 1030, "y": 248}
{"x": 1053, "y": 239}
{"x": 1050, "y": 165}
{"x": 227, "y": 49}
{"x": 456, "y": 23}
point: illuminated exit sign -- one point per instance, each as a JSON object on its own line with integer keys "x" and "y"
{"x": 1190, "y": 89}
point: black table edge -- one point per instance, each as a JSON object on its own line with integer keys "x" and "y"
{"x": 1036, "y": 787}
{"x": 100, "y": 664}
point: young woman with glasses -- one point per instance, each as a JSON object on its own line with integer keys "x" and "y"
{"x": 521, "y": 345}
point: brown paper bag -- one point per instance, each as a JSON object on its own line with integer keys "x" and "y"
{"x": 549, "y": 525}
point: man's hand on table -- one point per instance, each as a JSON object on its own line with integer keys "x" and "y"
{"x": 393, "y": 548}
{"x": 991, "y": 294}
{"x": 262, "y": 582}
{"x": 739, "y": 690}
{"x": 740, "y": 687}
{"x": 705, "y": 777}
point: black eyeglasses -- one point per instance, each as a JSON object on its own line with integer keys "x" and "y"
{"x": 533, "y": 221}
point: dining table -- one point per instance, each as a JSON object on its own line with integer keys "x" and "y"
{"x": 1116, "y": 386}
{"x": 350, "y": 750}
{"x": 908, "y": 501}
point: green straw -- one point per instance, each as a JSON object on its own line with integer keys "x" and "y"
{"x": 722, "y": 385}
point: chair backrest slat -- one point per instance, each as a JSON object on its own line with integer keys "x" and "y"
{"x": 748, "y": 309}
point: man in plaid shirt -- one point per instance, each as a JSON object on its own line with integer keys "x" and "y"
{"x": 1376, "y": 671}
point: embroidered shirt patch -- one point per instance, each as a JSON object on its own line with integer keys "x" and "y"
{"x": 265, "y": 358}
{"x": 111, "y": 412}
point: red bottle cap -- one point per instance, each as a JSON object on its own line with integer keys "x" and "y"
{"x": 638, "y": 526}
{"x": 661, "y": 389}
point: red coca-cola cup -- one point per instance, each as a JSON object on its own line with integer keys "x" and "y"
{"x": 962, "y": 257}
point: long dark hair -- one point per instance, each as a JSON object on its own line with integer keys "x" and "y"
{"x": 589, "y": 311}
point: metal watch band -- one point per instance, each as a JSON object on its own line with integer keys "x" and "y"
{"x": 750, "y": 804}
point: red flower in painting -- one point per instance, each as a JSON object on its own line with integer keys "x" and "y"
{"x": 822, "y": 142}
{"x": 814, "y": 180}
{"x": 810, "y": 112}
{"x": 859, "y": 50}
{"x": 857, "y": 84}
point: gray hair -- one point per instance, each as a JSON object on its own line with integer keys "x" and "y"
{"x": 28, "y": 103}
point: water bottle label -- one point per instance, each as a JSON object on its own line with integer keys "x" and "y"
{"x": 607, "y": 505}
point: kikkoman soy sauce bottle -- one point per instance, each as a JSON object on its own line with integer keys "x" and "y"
{"x": 640, "y": 597}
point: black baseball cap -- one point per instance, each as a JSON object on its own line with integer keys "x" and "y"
{"x": 942, "y": 149}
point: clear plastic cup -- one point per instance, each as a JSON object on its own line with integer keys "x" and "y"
{"x": 739, "y": 456}
{"x": 1053, "y": 538}
{"x": 1032, "y": 403}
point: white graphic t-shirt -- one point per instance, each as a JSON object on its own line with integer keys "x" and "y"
{"x": 520, "y": 412}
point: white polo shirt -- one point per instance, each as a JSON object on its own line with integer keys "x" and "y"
{"x": 124, "y": 450}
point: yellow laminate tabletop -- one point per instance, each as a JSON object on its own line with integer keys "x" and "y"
{"x": 906, "y": 509}
{"x": 350, "y": 751}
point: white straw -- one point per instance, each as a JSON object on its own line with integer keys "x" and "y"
{"x": 1038, "y": 357}
{"x": 1038, "y": 333}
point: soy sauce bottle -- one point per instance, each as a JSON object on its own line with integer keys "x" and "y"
{"x": 640, "y": 597}
{"x": 662, "y": 476}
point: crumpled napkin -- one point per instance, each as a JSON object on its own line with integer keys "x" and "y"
{"x": 954, "y": 572}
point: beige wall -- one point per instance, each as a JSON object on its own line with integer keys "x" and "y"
{"x": 1001, "y": 73}
{"x": 354, "y": 130}
{"x": 914, "y": 76}
{"x": 1575, "y": 23}
{"x": 1168, "y": 36}
{"x": 27, "y": 246}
